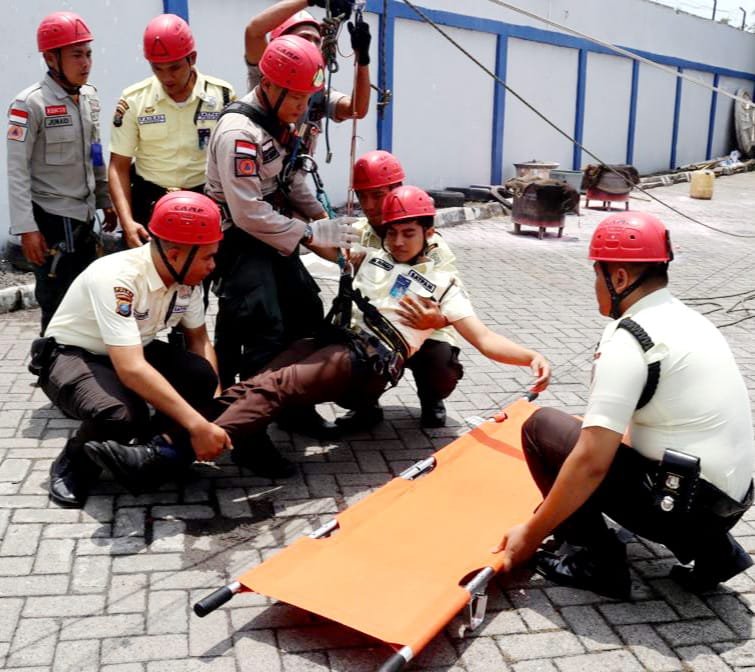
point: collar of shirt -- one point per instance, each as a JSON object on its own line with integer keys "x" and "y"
{"x": 656, "y": 298}
{"x": 154, "y": 281}
{"x": 57, "y": 90}
{"x": 198, "y": 91}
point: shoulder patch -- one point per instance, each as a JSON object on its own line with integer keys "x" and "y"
{"x": 18, "y": 116}
{"x": 245, "y": 148}
{"x": 17, "y": 133}
{"x": 124, "y": 298}
{"x": 120, "y": 110}
{"x": 245, "y": 166}
{"x": 381, "y": 263}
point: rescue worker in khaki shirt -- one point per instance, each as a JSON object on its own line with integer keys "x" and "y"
{"x": 162, "y": 125}
{"x": 100, "y": 361}
{"x": 267, "y": 299}
{"x": 347, "y": 363}
{"x": 663, "y": 375}
{"x": 436, "y": 365}
{"x": 56, "y": 173}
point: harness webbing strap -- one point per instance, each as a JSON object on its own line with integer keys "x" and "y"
{"x": 654, "y": 368}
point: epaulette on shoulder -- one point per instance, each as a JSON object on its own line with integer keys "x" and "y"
{"x": 28, "y": 91}
{"x": 217, "y": 81}
{"x": 135, "y": 88}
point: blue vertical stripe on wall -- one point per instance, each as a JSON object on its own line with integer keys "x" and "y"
{"x": 632, "y": 125}
{"x": 180, "y": 7}
{"x": 579, "y": 113}
{"x": 712, "y": 118}
{"x": 385, "y": 79}
{"x": 499, "y": 110}
{"x": 677, "y": 113}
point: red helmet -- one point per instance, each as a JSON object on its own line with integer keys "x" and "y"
{"x": 167, "y": 38}
{"x": 631, "y": 236}
{"x": 293, "y": 63}
{"x": 187, "y": 218}
{"x": 407, "y": 203}
{"x": 61, "y": 29}
{"x": 301, "y": 18}
{"x": 377, "y": 169}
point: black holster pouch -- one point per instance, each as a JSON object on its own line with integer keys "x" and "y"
{"x": 675, "y": 483}
{"x": 42, "y": 351}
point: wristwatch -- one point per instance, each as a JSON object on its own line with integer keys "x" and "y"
{"x": 306, "y": 239}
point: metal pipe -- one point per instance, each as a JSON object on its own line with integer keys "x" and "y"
{"x": 744, "y": 17}
{"x": 715, "y": 3}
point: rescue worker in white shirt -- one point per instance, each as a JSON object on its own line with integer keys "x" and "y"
{"x": 100, "y": 362}
{"x": 266, "y": 298}
{"x": 56, "y": 173}
{"x": 436, "y": 365}
{"x": 349, "y": 360}
{"x": 683, "y": 477}
{"x": 161, "y": 126}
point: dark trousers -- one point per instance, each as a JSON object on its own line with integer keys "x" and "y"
{"x": 55, "y": 276}
{"x": 86, "y": 387}
{"x": 436, "y": 370}
{"x": 144, "y": 195}
{"x": 626, "y": 496}
{"x": 307, "y": 373}
{"x": 266, "y": 301}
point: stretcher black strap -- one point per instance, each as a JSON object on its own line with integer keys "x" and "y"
{"x": 265, "y": 120}
{"x": 654, "y": 368}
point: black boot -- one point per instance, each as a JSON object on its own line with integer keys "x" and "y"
{"x": 263, "y": 458}
{"x": 139, "y": 467}
{"x": 602, "y": 569}
{"x": 306, "y": 420}
{"x": 361, "y": 419}
{"x": 720, "y": 562}
{"x": 71, "y": 477}
{"x": 433, "y": 413}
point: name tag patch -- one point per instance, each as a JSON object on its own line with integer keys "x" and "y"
{"x": 54, "y": 122}
{"x": 381, "y": 263}
{"x": 55, "y": 110}
{"x": 422, "y": 280}
{"x": 269, "y": 152}
{"x": 208, "y": 116}
{"x": 151, "y": 119}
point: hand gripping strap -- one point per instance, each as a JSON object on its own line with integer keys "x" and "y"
{"x": 654, "y": 368}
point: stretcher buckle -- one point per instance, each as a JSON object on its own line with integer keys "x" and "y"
{"x": 478, "y": 605}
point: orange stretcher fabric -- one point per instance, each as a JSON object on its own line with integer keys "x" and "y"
{"x": 392, "y": 569}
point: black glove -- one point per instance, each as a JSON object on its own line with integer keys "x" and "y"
{"x": 337, "y": 7}
{"x": 360, "y": 41}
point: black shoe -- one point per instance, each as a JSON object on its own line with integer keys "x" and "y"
{"x": 603, "y": 573}
{"x": 361, "y": 419}
{"x": 433, "y": 413}
{"x": 138, "y": 467}
{"x": 709, "y": 571}
{"x": 306, "y": 420}
{"x": 69, "y": 484}
{"x": 263, "y": 458}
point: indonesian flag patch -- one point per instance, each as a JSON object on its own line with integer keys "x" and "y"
{"x": 246, "y": 148}
{"x": 18, "y": 116}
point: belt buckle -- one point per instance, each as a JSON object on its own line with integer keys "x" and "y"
{"x": 172, "y": 189}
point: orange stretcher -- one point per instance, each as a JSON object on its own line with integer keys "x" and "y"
{"x": 401, "y": 563}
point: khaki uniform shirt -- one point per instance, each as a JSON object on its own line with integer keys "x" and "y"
{"x": 121, "y": 300}
{"x": 168, "y": 140}
{"x": 50, "y": 157}
{"x": 243, "y": 163}
{"x": 385, "y": 281}
{"x": 438, "y": 252}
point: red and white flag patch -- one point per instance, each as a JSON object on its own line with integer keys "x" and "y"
{"x": 246, "y": 148}
{"x": 18, "y": 116}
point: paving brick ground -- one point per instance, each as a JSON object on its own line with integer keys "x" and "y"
{"x": 110, "y": 587}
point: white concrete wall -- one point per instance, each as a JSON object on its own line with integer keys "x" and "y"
{"x": 442, "y": 111}
{"x": 694, "y": 118}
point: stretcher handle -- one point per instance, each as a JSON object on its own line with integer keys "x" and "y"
{"x": 397, "y": 661}
{"x": 531, "y": 396}
{"x": 217, "y": 599}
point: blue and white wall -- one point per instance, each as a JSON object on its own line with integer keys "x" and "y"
{"x": 449, "y": 122}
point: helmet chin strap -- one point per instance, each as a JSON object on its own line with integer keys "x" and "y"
{"x": 618, "y": 297}
{"x": 278, "y": 103}
{"x": 59, "y": 76}
{"x": 178, "y": 276}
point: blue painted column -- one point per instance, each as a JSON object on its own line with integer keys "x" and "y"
{"x": 632, "y": 125}
{"x": 579, "y": 113}
{"x": 385, "y": 78}
{"x": 179, "y": 7}
{"x": 712, "y": 118}
{"x": 499, "y": 110}
{"x": 677, "y": 111}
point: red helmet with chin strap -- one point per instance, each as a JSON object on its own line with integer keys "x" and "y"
{"x": 631, "y": 237}
{"x": 61, "y": 29}
{"x": 168, "y": 38}
{"x": 186, "y": 218}
{"x": 301, "y": 18}
{"x": 407, "y": 202}
{"x": 376, "y": 169}
{"x": 293, "y": 63}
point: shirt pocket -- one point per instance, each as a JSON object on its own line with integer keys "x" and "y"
{"x": 153, "y": 132}
{"x": 60, "y": 146}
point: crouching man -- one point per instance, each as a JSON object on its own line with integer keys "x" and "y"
{"x": 100, "y": 362}
{"x": 351, "y": 361}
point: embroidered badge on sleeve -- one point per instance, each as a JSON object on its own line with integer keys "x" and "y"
{"x": 124, "y": 298}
